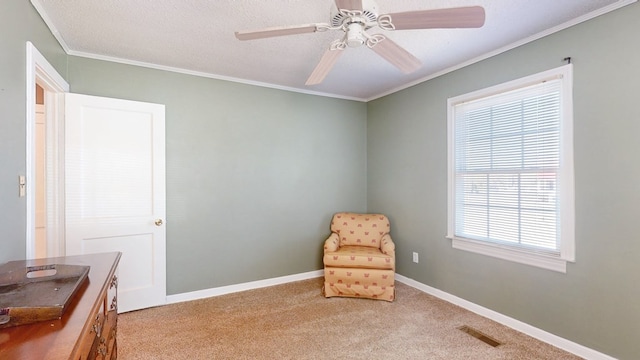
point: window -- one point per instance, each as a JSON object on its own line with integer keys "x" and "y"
{"x": 510, "y": 153}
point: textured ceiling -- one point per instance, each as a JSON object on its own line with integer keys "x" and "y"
{"x": 197, "y": 36}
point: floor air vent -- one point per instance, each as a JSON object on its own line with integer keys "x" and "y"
{"x": 480, "y": 336}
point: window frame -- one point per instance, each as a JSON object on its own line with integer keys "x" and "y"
{"x": 518, "y": 253}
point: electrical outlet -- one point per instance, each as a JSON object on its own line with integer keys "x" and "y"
{"x": 415, "y": 257}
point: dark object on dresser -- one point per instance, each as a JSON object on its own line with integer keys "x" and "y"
{"x": 88, "y": 327}
{"x": 31, "y": 294}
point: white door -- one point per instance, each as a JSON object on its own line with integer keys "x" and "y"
{"x": 115, "y": 191}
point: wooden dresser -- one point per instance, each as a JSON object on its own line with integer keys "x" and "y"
{"x": 87, "y": 329}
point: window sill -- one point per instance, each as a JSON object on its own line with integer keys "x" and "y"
{"x": 540, "y": 260}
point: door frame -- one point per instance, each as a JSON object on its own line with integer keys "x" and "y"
{"x": 39, "y": 70}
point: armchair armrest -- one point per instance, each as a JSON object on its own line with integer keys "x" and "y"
{"x": 332, "y": 243}
{"x": 387, "y": 246}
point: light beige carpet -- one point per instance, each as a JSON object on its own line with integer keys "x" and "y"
{"x": 294, "y": 321}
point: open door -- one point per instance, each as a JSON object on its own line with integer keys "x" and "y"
{"x": 115, "y": 191}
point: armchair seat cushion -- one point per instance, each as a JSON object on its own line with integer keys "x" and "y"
{"x": 363, "y": 257}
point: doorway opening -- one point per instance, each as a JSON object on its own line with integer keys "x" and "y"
{"x": 44, "y": 157}
{"x": 40, "y": 175}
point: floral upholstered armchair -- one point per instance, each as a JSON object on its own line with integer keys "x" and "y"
{"x": 359, "y": 257}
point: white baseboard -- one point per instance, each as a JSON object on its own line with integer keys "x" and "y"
{"x": 518, "y": 325}
{"x": 527, "y": 329}
{"x": 201, "y": 294}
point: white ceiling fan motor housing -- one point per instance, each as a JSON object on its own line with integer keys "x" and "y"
{"x": 369, "y": 13}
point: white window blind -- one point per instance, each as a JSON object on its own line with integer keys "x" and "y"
{"x": 507, "y": 163}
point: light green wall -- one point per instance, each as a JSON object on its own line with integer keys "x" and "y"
{"x": 19, "y": 23}
{"x": 253, "y": 174}
{"x": 596, "y": 303}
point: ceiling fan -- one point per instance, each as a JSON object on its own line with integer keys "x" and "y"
{"x": 355, "y": 17}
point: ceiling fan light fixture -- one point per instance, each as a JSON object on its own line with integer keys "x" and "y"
{"x": 355, "y": 35}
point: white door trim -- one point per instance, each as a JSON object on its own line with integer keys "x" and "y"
{"x": 39, "y": 70}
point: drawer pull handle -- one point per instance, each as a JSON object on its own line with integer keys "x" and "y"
{"x": 97, "y": 329}
{"x": 114, "y": 282}
{"x": 102, "y": 350}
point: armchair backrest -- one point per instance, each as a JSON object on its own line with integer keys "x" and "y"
{"x": 360, "y": 229}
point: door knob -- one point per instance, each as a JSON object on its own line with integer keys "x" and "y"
{"x": 158, "y": 222}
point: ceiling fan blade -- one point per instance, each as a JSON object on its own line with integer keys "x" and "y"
{"x": 324, "y": 66}
{"x": 397, "y": 55}
{"x": 349, "y": 4}
{"x": 276, "y": 31}
{"x": 462, "y": 17}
